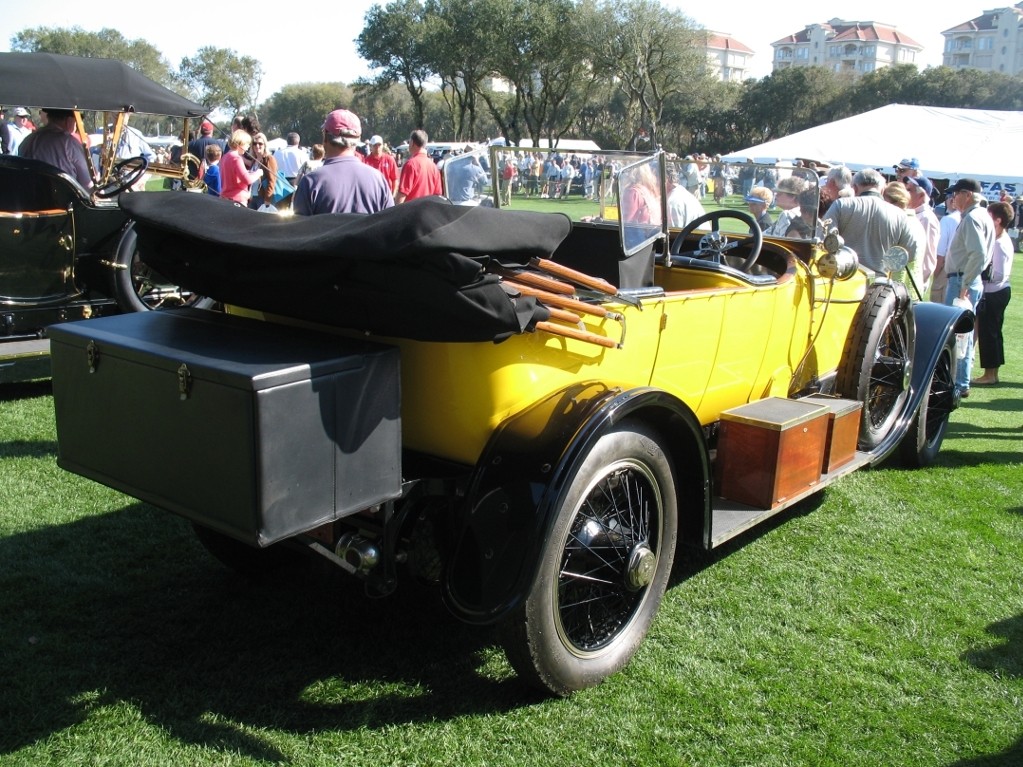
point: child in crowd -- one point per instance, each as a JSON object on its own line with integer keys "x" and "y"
{"x": 212, "y": 175}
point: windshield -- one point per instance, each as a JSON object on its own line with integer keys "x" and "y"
{"x": 576, "y": 183}
{"x": 783, "y": 199}
{"x": 466, "y": 176}
{"x": 640, "y": 192}
{"x": 647, "y": 192}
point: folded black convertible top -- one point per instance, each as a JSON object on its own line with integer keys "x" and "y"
{"x": 412, "y": 271}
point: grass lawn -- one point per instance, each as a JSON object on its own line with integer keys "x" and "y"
{"x": 880, "y": 624}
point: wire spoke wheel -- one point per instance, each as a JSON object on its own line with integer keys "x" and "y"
{"x": 604, "y": 566}
{"x": 888, "y": 374}
{"x": 923, "y": 440}
{"x": 609, "y": 558}
{"x": 139, "y": 288}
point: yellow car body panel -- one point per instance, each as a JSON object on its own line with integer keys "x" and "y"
{"x": 711, "y": 340}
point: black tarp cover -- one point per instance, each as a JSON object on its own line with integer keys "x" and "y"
{"x": 412, "y": 271}
{"x": 86, "y": 84}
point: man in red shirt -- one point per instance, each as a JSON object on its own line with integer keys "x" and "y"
{"x": 419, "y": 174}
{"x": 383, "y": 162}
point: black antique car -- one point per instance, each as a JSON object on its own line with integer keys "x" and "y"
{"x": 66, "y": 252}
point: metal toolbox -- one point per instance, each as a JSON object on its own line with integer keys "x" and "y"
{"x": 257, "y": 430}
{"x": 770, "y": 450}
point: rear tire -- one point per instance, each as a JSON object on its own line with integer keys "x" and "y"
{"x": 922, "y": 442}
{"x": 137, "y": 288}
{"x": 878, "y": 360}
{"x": 603, "y": 569}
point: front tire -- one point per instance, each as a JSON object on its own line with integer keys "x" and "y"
{"x": 877, "y": 363}
{"x": 603, "y": 569}
{"x": 922, "y": 442}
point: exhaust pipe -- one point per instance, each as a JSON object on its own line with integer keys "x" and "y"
{"x": 358, "y": 551}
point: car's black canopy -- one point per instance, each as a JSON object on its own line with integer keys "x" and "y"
{"x": 412, "y": 271}
{"x": 49, "y": 80}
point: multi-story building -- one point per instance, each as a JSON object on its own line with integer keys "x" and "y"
{"x": 727, "y": 58}
{"x": 992, "y": 42}
{"x": 846, "y": 46}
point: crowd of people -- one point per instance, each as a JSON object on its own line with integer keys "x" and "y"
{"x": 339, "y": 174}
{"x": 963, "y": 257}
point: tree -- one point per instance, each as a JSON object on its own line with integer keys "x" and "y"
{"x": 301, "y": 109}
{"x": 221, "y": 79}
{"x": 392, "y": 40}
{"x": 651, "y": 53}
{"x": 388, "y": 112}
{"x": 888, "y": 85}
{"x": 704, "y": 122}
{"x": 536, "y": 51}
{"x": 604, "y": 118}
{"x": 968, "y": 88}
{"x": 787, "y": 101}
{"x": 106, "y": 44}
{"x": 460, "y": 35}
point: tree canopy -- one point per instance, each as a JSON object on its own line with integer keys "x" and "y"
{"x": 626, "y": 73}
{"x": 107, "y": 43}
{"x": 221, "y": 79}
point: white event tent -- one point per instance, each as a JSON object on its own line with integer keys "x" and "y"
{"x": 950, "y": 143}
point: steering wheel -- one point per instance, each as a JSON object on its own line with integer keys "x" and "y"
{"x": 715, "y": 245}
{"x": 123, "y": 175}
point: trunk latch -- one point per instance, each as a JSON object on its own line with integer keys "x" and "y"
{"x": 184, "y": 381}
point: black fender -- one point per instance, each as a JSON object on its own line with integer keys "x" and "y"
{"x": 516, "y": 486}
{"x": 934, "y": 324}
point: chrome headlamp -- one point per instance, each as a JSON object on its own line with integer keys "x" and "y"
{"x": 840, "y": 264}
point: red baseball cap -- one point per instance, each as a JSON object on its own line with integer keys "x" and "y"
{"x": 342, "y": 124}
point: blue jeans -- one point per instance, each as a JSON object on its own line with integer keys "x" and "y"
{"x": 965, "y": 364}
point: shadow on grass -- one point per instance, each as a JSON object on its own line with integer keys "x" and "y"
{"x": 127, "y": 610}
{"x": 1008, "y": 429}
{"x": 25, "y": 390}
{"x": 1005, "y": 659}
{"x": 21, "y": 448}
{"x": 997, "y": 403}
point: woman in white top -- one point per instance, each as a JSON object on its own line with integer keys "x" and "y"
{"x": 991, "y": 308}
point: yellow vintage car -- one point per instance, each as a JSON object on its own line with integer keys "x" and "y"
{"x": 534, "y": 411}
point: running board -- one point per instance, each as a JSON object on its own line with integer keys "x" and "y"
{"x": 729, "y": 518}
